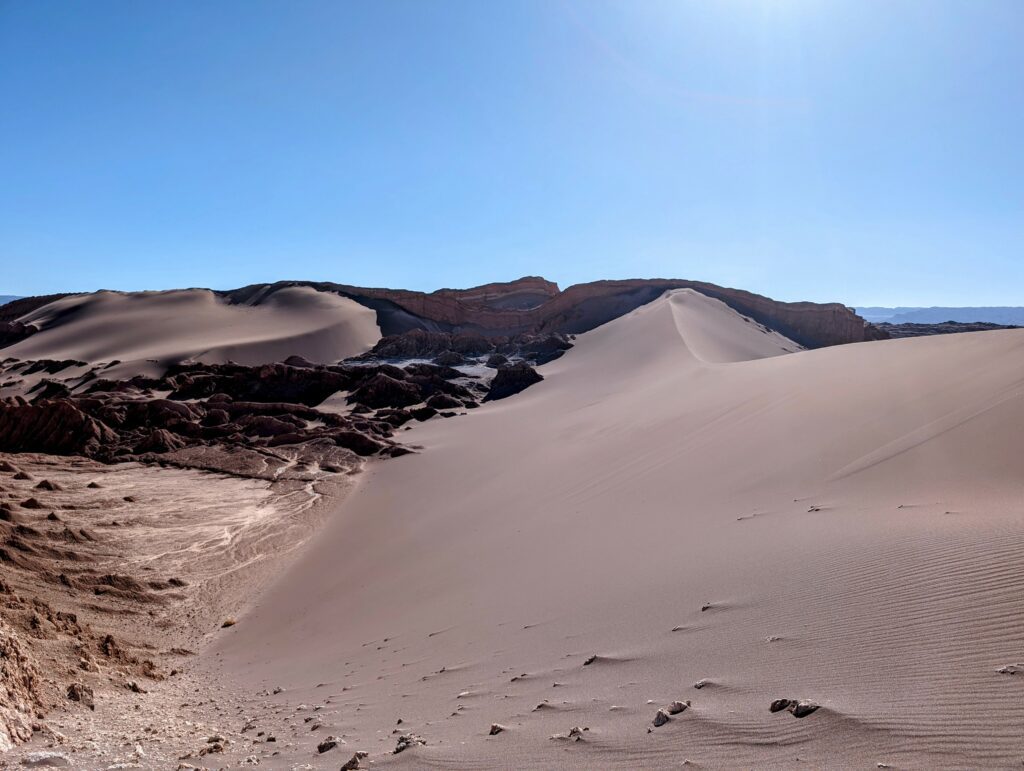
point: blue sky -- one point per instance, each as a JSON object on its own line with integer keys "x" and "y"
{"x": 866, "y": 152}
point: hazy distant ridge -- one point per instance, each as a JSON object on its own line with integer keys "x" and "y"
{"x": 936, "y": 315}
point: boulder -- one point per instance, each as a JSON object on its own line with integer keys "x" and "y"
{"x": 511, "y": 379}
{"x": 443, "y": 402}
{"x": 423, "y": 413}
{"x": 385, "y": 391}
{"x": 449, "y": 358}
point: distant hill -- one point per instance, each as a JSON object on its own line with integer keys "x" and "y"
{"x": 1003, "y": 315}
{"x": 6, "y": 298}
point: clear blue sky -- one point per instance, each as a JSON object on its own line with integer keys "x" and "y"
{"x": 867, "y": 152}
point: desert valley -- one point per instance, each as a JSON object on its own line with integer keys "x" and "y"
{"x": 628, "y": 524}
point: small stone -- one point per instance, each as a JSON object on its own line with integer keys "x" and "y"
{"x": 327, "y": 744}
{"x": 405, "y": 741}
{"x": 804, "y": 708}
{"x": 660, "y": 718}
{"x": 496, "y": 729}
{"x": 798, "y": 708}
{"x": 678, "y": 706}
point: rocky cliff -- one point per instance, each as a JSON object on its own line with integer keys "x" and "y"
{"x": 533, "y": 305}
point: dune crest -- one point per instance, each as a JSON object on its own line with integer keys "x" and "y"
{"x": 716, "y": 334}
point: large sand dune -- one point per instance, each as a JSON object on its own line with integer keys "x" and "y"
{"x": 841, "y": 525}
{"x": 160, "y": 328}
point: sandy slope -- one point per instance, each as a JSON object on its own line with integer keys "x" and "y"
{"x": 849, "y": 519}
{"x": 167, "y": 327}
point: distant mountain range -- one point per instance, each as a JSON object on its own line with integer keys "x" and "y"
{"x": 1010, "y": 316}
{"x": 6, "y": 298}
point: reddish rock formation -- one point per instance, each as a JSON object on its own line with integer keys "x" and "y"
{"x": 19, "y": 689}
{"x": 534, "y": 306}
{"x": 53, "y": 426}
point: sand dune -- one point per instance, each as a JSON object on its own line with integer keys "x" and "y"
{"x": 841, "y": 525}
{"x": 168, "y": 327}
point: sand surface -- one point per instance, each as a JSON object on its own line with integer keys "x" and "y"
{"x": 688, "y": 506}
{"x": 687, "y": 499}
{"x": 146, "y": 331}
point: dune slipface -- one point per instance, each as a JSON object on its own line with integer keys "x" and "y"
{"x": 682, "y": 500}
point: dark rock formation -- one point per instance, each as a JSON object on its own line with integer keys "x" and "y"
{"x": 385, "y": 391}
{"x": 511, "y": 379}
{"x": 121, "y": 420}
{"x": 453, "y": 349}
{"x": 945, "y": 328}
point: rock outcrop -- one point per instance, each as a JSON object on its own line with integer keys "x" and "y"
{"x": 19, "y": 689}
{"x": 511, "y": 379}
{"x": 213, "y": 411}
{"x": 57, "y": 426}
